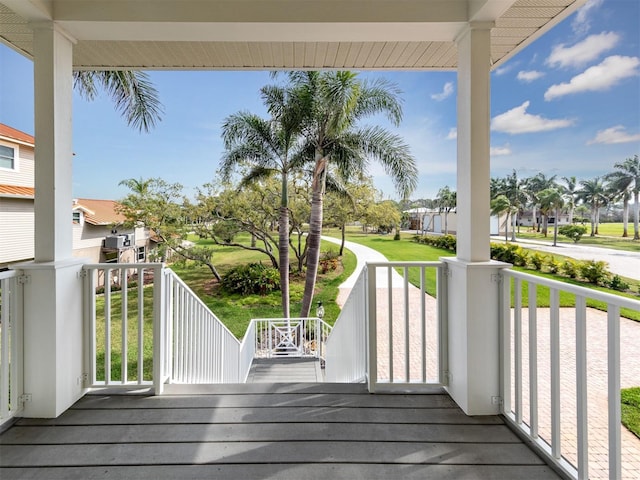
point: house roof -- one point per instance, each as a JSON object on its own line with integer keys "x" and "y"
{"x": 13, "y": 191}
{"x": 278, "y": 34}
{"x": 99, "y": 212}
{"x": 13, "y": 134}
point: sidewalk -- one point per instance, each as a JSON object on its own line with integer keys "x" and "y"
{"x": 596, "y": 348}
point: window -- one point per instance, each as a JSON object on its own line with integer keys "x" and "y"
{"x": 77, "y": 216}
{"x": 7, "y": 157}
{"x": 141, "y": 254}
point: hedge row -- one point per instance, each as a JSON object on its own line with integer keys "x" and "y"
{"x": 590, "y": 271}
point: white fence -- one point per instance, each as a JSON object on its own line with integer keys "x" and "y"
{"x": 146, "y": 326}
{"x": 394, "y": 328}
{"x": 11, "y": 340}
{"x": 561, "y": 371}
{"x": 289, "y": 337}
{"x": 346, "y": 351}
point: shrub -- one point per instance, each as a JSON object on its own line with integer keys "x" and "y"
{"x": 509, "y": 253}
{"x": 536, "y": 261}
{"x": 553, "y": 266}
{"x": 594, "y": 271}
{"x": 618, "y": 284}
{"x": 569, "y": 268}
{"x": 329, "y": 261}
{"x": 574, "y": 232}
{"x": 252, "y": 278}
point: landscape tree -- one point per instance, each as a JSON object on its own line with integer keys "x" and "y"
{"x": 334, "y": 103}
{"x": 570, "y": 193}
{"x": 533, "y": 186}
{"x": 268, "y": 147}
{"x": 158, "y": 206}
{"x": 626, "y": 177}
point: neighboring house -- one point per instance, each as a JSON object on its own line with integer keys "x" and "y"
{"x": 431, "y": 220}
{"x": 16, "y": 195}
{"x": 98, "y": 234}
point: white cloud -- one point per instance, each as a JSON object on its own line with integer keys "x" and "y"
{"x": 517, "y": 120}
{"x": 581, "y": 24}
{"x": 446, "y": 92}
{"x": 615, "y": 134}
{"x": 600, "y": 77}
{"x": 498, "y": 151}
{"x": 529, "y": 76}
{"x": 453, "y": 134}
{"x": 583, "y": 52}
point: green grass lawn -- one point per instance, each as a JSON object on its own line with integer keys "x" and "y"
{"x": 630, "y": 399}
{"x": 609, "y": 236}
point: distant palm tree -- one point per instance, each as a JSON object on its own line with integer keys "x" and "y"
{"x": 501, "y": 206}
{"x": 335, "y": 102}
{"x": 594, "y": 194}
{"x": 551, "y": 200}
{"x": 570, "y": 193}
{"x": 534, "y": 186}
{"x": 446, "y": 200}
{"x": 268, "y": 147}
{"x": 134, "y": 95}
{"x": 627, "y": 178}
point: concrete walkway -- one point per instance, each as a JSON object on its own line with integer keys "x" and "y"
{"x": 596, "y": 349}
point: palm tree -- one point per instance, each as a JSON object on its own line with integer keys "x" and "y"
{"x": 551, "y": 200}
{"x": 627, "y": 178}
{"x": 535, "y": 185}
{"x": 335, "y": 102}
{"x": 134, "y": 95}
{"x": 570, "y": 192}
{"x": 499, "y": 206}
{"x": 446, "y": 200}
{"x": 267, "y": 147}
{"x": 594, "y": 194}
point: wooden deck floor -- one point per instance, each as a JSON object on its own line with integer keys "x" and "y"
{"x": 284, "y": 431}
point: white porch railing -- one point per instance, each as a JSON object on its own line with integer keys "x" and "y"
{"x": 11, "y": 341}
{"x": 346, "y": 350}
{"x": 395, "y": 332}
{"x": 550, "y": 380}
{"x": 289, "y": 337}
{"x": 118, "y": 314}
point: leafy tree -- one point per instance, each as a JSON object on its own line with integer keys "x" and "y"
{"x": 157, "y": 205}
{"x": 134, "y": 95}
{"x": 626, "y": 178}
{"x": 268, "y": 148}
{"x": 334, "y": 103}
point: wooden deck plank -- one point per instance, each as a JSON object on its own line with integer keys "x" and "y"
{"x": 293, "y": 415}
{"x": 287, "y": 472}
{"x": 265, "y": 452}
{"x": 254, "y": 388}
{"x": 260, "y": 432}
{"x": 277, "y": 400}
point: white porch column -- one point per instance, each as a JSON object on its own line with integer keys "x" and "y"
{"x": 473, "y": 286}
{"x": 53, "y": 292}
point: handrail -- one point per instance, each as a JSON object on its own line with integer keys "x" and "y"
{"x": 11, "y": 341}
{"x": 346, "y": 346}
{"x": 398, "y": 341}
{"x": 293, "y": 337}
{"x": 526, "y": 335}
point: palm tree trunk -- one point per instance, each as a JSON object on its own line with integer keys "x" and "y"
{"x": 555, "y": 229}
{"x": 344, "y": 237}
{"x": 315, "y": 231}
{"x": 283, "y": 253}
{"x": 636, "y": 231}
{"x": 625, "y": 216}
{"x": 514, "y": 221}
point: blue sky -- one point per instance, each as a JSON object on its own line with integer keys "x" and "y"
{"x": 568, "y": 104}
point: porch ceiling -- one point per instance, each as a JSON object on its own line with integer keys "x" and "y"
{"x": 277, "y": 34}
